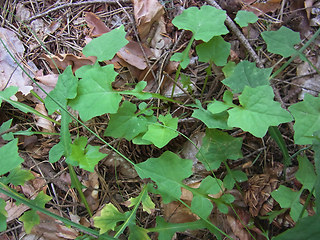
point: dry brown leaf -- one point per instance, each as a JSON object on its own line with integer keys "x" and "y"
{"x": 115, "y": 161}
{"x": 263, "y": 8}
{"x": 237, "y": 228}
{"x": 97, "y": 27}
{"x": 64, "y": 60}
{"x": 15, "y": 211}
{"x": 132, "y": 54}
{"x": 91, "y": 193}
{"x": 32, "y": 187}
{"x": 10, "y": 73}
{"x": 146, "y": 13}
{"x": 46, "y": 125}
{"x": 52, "y": 229}
{"x": 49, "y": 80}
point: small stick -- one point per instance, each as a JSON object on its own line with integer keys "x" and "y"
{"x": 76, "y": 4}
{"x": 239, "y": 34}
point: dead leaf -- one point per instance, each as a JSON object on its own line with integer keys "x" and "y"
{"x": 62, "y": 61}
{"x": 310, "y": 83}
{"x": 97, "y": 27}
{"x": 15, "y": 211}
{"x": 91, "y": 193}
{"x": 49, "y": 80}
{"x": 132, "y": 54}
{"x": 259, "y": 8}
{"x": 115, "y": 161}
{"x": 146, "y": 13}
{"x": 46, "y": 125}
{"x": 52, "y": 229}
{"x": 237, "y": 228}
{"x": 32, "y": 187}
{"x": 10, "y": 73}
{"x": 189, "y": 151}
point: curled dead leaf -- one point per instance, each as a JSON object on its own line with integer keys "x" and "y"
{"x": 132, "y": 54}
{"x": 46, "y": 125}
{"x": 62, "y": 61}
{"x": 97, "y": 27}
{"x": 146, "y": 13}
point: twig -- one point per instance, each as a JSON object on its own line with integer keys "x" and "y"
{"x": 238, "y": 33}
{"x": 76, "y": 4}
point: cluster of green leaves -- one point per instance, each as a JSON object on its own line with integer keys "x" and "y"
{"x": 90, "y": 92}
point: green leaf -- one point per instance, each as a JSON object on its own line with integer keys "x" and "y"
{"x": 107, "y": 45}
{"x": 228, "y": 69}
{"x": 10, "y": 158}
{"x": 235, "y": 176}
{"x": 218, "y": 146}
{"x": 31, "y": 218}
{"x": 217, "y": 120}
{"x": 218, "y": 107}
{"x": 247, "y": 74}
{"x": 182, "y": 57}
{"x": 138, "y": 233}
{"x": 95, "y": 93}
{"x": 245, "y": 17}
{"x": 137, "y": 91}
{"x": 223, "y": 202}
{"x": 126, "y": 123}
{"x": 196, "y": 20}
{"x": 306, "y": 228}
{"x": 146, "y": 201}
{"x": 201, "y": 206}
{"x": 109, "y": 218}
{"x": 3, "y": 215}
{"x": 316, "y": 148}
{"x": 305, "y": 174}
{"x": 277, "y": 137}
{"x": 287, "y": 198}
{"x": 7, "y": 93}
{"x": 167, "y": 171}
{"x": 5, "y": 127}
{"x": 216, "y": 50}
{"x": 56, "y": 152}
{"x": 66, "y": 88}
{"x": 258, "y": 111}
{"x": 281, "y": 41}
{"x": 83, "y": 155}
{"x": 166, "y": 230}
{"x": 161, "y": 134}
{"x": 307, "y": 119}
{"x": 19, "y": 176}
{"x": 210, "y": 185}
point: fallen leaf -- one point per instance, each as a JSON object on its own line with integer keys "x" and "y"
{"x": 46, "y": 125}
{"x": 15, "y": 211}
{"x": 10, "y": 73}
{"x": 91, "y": 193}
{"x": 62, "y": 61}
{"x": 132, "y": 54}
{"x": 259, "y": 8}
{"x": 52, "y": 229}
{"x": 97, "y": 27}
{"x": 49, "y": 80}
{"x": 146, "y": 13}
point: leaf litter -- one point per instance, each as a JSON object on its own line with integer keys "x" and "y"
{"x": 152, "y": 19}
